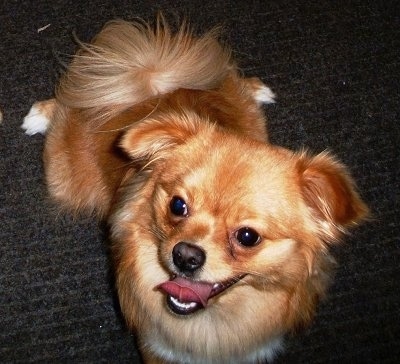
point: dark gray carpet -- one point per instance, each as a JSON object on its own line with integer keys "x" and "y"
{"x": 335, "y": 68}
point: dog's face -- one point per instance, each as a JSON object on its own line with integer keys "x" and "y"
{"x": 229, "y": 217}
{"x": 227, "y": 236}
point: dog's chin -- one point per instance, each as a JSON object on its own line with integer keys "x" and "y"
{"x": 185, "y": 296}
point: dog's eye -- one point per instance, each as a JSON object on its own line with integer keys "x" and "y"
{"x": 247, "y": 237}
{"x": 178, "y": 206}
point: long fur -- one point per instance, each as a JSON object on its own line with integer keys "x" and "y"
{"x": 128, "y": 63}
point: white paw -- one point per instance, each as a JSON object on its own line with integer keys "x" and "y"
{"x": 264, "y": 95}
{"x": 35, "y": 121}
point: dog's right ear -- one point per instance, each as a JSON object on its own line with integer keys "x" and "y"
{"x": 157, "y": 136}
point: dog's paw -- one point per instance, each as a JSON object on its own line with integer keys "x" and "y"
{"x": 264, "y": 95}
{"x": 35, "y": 121}
{"x": 261, "y": 93}
{"x": 38, "y": 118}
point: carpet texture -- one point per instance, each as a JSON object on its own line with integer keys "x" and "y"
{"x": 334, "y": 66}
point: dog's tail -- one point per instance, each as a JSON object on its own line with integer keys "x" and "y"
{"x": 130, "y": 62}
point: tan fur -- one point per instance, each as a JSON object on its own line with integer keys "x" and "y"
{"x": 131, "y": 62}
{"x": 142, "y": 116}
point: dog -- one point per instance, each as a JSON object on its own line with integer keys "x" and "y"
{"x": 221, "y": 240}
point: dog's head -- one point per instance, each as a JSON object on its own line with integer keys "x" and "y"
{"x": 224, "y": 223}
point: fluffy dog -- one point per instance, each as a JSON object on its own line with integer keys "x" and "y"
{"x": 220, "y": 239}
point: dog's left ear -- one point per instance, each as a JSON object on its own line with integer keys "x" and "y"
{"x": 331, "y": 194}
{"x": 156, "y": 136}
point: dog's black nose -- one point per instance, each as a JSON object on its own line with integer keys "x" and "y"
{"x": 188, "y": 257}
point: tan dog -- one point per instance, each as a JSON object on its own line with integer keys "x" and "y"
{"x": 220, "y": 240}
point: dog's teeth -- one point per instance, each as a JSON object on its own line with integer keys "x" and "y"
{"x": 217, "y": 287}
{"x": 184, "y": 305}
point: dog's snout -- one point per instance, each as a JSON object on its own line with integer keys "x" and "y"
{"x": 188, "y": 257}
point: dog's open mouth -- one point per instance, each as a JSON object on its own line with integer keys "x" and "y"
{"x": 185, "y": 296}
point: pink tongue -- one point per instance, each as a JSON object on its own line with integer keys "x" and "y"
{"x": 186, "y": 290}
